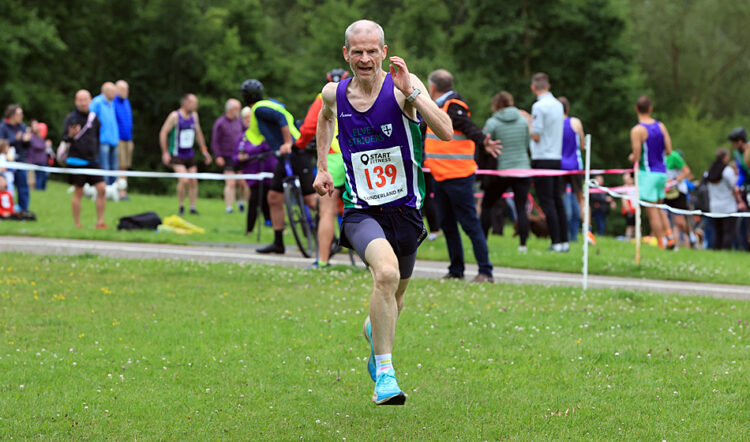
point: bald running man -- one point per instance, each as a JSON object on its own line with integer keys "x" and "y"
{"x": 382, "y": 151}
{"x": 177, "y": 139}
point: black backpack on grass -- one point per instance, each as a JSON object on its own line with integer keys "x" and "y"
{"x": 142, "y": 221}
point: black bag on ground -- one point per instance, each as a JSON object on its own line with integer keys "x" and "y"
{"x": 146, "y": 221}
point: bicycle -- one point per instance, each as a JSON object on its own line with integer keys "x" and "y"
{"x": 301, "y": 221}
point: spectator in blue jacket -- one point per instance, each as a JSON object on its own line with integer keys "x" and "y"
{"x": 124, "y": 115}
{"x": 109, "y": 134}
{"x": 19, "y": 137}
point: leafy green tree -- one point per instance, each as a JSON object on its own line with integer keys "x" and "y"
{"x": 29, "y": 47}
{"x": 166, "y": 48}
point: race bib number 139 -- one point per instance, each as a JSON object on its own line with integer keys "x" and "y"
{"x": 379, "y": 175}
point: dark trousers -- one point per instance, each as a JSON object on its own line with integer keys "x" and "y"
{"x": 455, "y": 204}
{"x": 40, "y": 179}
{"x": 600, "y": 221}
{"x": 724, "y": 232}
{"x": 22, "y": 189}
{"x": 252, "y": 205}
{"x": 549, "y": 191}
{"x": 493, "y": 190}
{"x": 428, "y": 208}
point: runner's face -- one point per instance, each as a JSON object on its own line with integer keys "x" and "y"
{"x": 365, "y": 55}
{"x": 191, "y": 104}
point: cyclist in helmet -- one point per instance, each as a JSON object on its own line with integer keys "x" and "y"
{"x": 328, "y": 206}
{"x": 272, "y": 123}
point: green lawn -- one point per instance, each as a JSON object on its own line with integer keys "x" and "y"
{"x": 611, "y": 257}
{"x": 125, "y": 349}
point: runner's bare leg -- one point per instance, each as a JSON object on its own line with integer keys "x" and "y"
{"x": 193, "y": 187}
{"x": 383, "y": 303}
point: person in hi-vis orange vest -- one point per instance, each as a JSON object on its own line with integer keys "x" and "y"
{"x": 453, "y": 167}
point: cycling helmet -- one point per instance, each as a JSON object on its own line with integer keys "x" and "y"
{"x": 738, "y": 134}
{"x": 336, "y": 75}
{"x": 252, "y": 91}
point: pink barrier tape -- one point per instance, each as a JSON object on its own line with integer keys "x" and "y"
{"x": 529, "y": 173}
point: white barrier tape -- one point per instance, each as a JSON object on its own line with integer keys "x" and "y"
{"x": 135, "y": 173}
{"x": 593, "y": 184}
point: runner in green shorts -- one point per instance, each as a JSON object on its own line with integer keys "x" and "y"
{"x": 651, "y": 143}
{"x": 328, "y": 205}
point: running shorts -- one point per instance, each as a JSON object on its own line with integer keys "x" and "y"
{"x": 402, "y": 227}
{"x": 182, "y": 161}
{"x": 651, "y": 185}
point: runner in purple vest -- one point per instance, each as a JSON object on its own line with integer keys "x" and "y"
{"x": 382, "y": 150}
{"x": 651, "y": 144}
{"x": 177, "y": 140}
{"x": 572, "y": 147}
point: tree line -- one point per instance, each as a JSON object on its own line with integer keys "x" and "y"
{"x": 601, "y": 54}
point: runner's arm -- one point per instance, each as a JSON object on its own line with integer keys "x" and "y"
{"x": 324, "y": 136}
{"x": 199, "y": 135}
{"x": 164, "y": 132}
{"x": 436, "y": 119}
{"x": 202, "y": 141}
{"x": 577, "y": 126}
{"x": 747, "y": 158}
{"x": 667, "y": 139}
{"x": 636, "y": 138}
{"x": 684, "y": 174}
{"x": 326, "y": 125}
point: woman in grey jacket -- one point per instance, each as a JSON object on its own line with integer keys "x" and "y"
{"x": 723, "y": 197}
{"x": 510, "y": 126}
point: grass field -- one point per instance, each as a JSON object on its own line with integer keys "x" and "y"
{"x": 117, "y": 349}
{"x": 611, "y": 257}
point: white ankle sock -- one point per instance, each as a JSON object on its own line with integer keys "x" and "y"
{"x": 383, "y": 363}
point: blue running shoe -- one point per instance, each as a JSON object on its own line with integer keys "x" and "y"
{"x": 387, "y": 391}
{"x": 371, "y": 368}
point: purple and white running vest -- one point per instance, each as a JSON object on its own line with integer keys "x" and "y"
{"x": 382, "y": 152}
{"x": 652, "y": 151}
{"x": 182, "y": 137}
{"x": 571, "y": 148}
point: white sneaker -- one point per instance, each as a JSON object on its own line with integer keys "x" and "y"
{"x": 523, "y": 249}
{"x": 229, "y": 209}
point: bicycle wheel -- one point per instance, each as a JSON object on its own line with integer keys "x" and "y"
{"x": 299, "y": 218}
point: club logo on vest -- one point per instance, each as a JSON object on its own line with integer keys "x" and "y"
{"x": 387, "y": 129}
{"x": 343, "y": 115}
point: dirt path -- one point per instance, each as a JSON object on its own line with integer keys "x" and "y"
{"x": 423, "y": 269}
